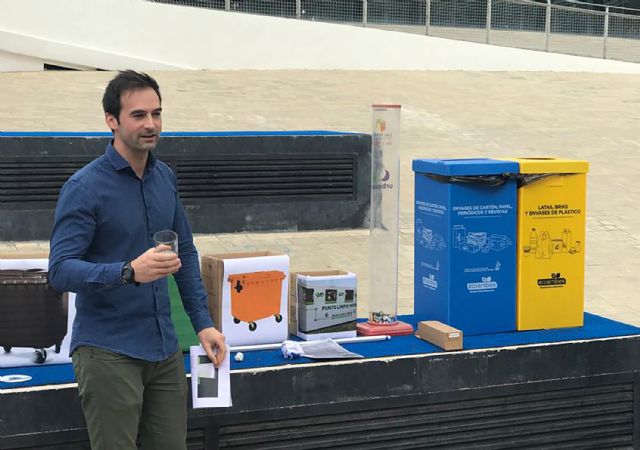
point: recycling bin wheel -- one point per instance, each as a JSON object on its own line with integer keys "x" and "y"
{"x": 278, "y": 318}
{"x": 41, "y": 355}
{"x": 58, "y": 347}
{"x": 7, "y": 349}
{"x": 236, "y": 321}
{"x": 252, "y": 326}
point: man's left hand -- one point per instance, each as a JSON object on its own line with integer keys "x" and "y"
{"x": 213, "y": 343}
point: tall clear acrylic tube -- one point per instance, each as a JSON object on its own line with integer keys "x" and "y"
{"x": 385, "y": 196}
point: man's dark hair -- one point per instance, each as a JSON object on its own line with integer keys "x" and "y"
{"x": 127, "y": 80}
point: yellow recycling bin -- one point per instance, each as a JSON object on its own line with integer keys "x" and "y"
{"x": 551, "y": 243}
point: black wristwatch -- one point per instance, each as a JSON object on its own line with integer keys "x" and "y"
{"x": 128, "y": 275}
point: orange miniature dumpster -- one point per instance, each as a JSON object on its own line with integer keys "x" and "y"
{"x": 256, "y": 295}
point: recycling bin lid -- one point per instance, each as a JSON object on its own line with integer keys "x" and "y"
{"x": 464, "y": 166}
{"x": 268, "y": 275}
{"x": 551, "y": 165}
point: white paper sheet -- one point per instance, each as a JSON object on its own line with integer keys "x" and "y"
{"x": 320, "y": 349}
{"x": 210, "y": 387}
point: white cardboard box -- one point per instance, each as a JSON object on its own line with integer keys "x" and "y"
{"x": 248, "y": 296}
{"x": 323, "y": 304}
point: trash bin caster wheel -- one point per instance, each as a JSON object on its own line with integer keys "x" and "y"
{"x": 58, "y": 348}
{"x": 236, "y": 320}
{"x": 41, "y": 355}
{"x": 252, "y": 326}
{"x": 7, "y": 349}
{"x": 278, "y": 318}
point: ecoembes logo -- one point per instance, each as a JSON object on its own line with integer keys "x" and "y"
{"x": 430, "y": 282}
{"x": 555, "y": 281}
{"x": 486, "y": 285}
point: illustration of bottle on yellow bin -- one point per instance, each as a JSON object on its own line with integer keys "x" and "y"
{"x": 544, "y": 246}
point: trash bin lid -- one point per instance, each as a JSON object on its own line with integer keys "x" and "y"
{"x": 551, "y": 165}
{"x": 465, "y": 166}
{"x": 254, "y": 277}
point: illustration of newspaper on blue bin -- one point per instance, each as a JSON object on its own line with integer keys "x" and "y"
{"x": 478, "y": 241}
{"x": 428, "y": 239}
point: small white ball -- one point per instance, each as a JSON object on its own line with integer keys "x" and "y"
{"x": 239, "y": 357}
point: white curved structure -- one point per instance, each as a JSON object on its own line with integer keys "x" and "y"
{"x": 117, "y": 34}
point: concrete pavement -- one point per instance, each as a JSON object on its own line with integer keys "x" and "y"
{"x": 444, "y": 114}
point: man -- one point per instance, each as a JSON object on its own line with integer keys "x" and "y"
{"x": 124, "y": 348}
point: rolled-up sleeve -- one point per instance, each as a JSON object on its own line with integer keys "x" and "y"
{"x": 73, "y": 232}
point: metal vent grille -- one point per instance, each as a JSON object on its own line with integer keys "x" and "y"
{"x": 36, "y": 180}
{"x": 313, "y": 176}
{"x": 581, "y": 418}
{"x": 195, "y": 439}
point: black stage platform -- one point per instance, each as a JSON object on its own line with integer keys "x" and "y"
{"x": 578, "y": 394}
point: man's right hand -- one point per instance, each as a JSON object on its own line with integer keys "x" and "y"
{"x": 155, "y": 264}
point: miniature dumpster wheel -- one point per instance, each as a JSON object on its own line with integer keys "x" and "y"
{"x": 58, "y": 346}
{"x": 41, "y": 355}
{"x": 278, "y": 318}
{"x": 7, "y": 349}
{"x": 252, "y": 326}
{"x": 236, "y": 321}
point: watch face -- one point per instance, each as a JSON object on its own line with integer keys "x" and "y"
{"x": 127, "y": 274}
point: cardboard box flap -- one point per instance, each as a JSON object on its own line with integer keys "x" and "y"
{"x": 321, "y": 273}
{"x": 325, "y": 274}
{"x": 238, "y": 255}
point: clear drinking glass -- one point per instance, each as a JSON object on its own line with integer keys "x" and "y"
{"x": 168, "y": 238}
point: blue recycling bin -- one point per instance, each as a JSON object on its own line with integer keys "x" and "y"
{"x": 465, "y": 243}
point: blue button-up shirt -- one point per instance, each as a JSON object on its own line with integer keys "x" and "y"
{"x": 106, "y": 216}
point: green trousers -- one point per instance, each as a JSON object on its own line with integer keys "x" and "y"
{"x": 123, "y": 397}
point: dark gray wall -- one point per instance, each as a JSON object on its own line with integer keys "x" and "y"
{"x": 228, "y": 182}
